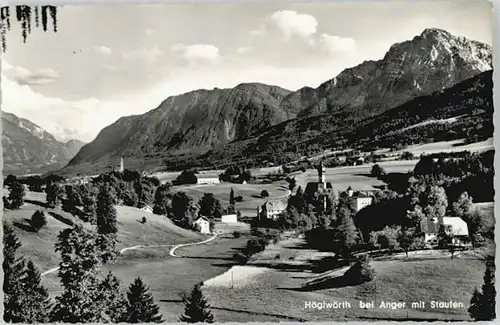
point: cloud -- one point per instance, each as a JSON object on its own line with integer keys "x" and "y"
{"x": 197, "y": 52}
{"x": 146, "y": 55}
{"x": 69, "y": 119}
{"x": 243, "y": 49}
{"x": 336, "y": 44}
{"x": 291, "y": 23}
{"x": 24, "y": 76}
{"x": 150, "y": 32}
{"x": 103, "y": 50}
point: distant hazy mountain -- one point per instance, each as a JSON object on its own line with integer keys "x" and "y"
{"x": 28, "y": 148}
{"x": 256, "y": 119}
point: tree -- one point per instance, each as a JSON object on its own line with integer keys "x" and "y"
{"x": 145, "y": 193}
{"x": 210, "y": 206}
{"x": 360, "y": 272}
{"x": 386, "y": 238}
{"x": 163, "y": 198}
{"x": 184, "y": 210}
{"x": 13, "y": 272}
{"x": 377, "y": 171}
{"x": 110, "y": 295}
{"x": 291, "y": 183}
{"x": 437, "y": 203}
{"x": 408, "y": 240}
{"x": 462, "y": 206}
{"x": 264, "y": 193}
{"x": 196, "y": 308}
{"x": 482, "y": 304}
{"x": 38, "y": 220}
{"x": 89, "y": 206}
{"x": 27, "y": 16}
{"x": 231, "y": 198}
{"x": 141, "y": 307}
{"x": 445, "y": 239}
{"x": 78, "y": 272}
{"x": 106, "y": 225}
{"x": 346, "y": 234}
{"x": 35, "y": 300}
{"x": 73, "y": 195}
{"x": 16, "y": 195}
{"x": 54, "y": 194}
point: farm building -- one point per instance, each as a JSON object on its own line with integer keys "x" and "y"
{"x": 454, "y": 226}
{"x": 203, "y": 225}
{"x": 271, "y": 209}
{"x": 229, "y": 218}
{"x": 360, "y": 199}
{"x": 208, "y": 180}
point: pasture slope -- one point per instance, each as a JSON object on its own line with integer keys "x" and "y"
{"x": 275, "y": 286}
{"x": 39, "y": 247}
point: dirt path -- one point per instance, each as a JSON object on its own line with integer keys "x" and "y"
{"x": 172, "y": 251}
{"x": 130, "y": 248}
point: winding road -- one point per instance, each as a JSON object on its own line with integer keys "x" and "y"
{"x": 171, "y": 252}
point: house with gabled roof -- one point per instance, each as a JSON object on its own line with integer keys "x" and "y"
{"x": 202, "y": 224}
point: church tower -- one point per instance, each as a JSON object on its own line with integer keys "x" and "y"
{"x": 322, "y": 174}
{"x": 322, "y": 181}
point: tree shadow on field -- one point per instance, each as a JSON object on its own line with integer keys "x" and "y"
{"x": 365, "y": 175}
{"x": 36, "y": 202}
{"x": 62, "y": 219}
{"x": 329, "y": 283}
{"x": 23, "y": 226}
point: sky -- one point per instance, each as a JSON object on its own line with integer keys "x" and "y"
{"x": 109, "y": 61}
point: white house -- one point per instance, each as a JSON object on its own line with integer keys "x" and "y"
{"x": 454, "y": 226}
{"x": 271, "y": 209}
{"x": 203, "y": 225}
{"x": 458, "y": 229}
{"x": 361, "y": 200}
{"x": 208, "y": 180}
{"x": 229, "y": 218}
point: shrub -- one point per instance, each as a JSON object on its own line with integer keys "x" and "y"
{"x": 238, "y": 198}
{"x": 240, "y": 258}
{"x": 236, "y": 234}
{"x": 38, "y": 220}
{"x": 377, "y": 171}
{"x": 277, "y": 257}
{"x": 360, "y": 272}
{"x": 264, "y": 193}
{"x": 143, "y": 220}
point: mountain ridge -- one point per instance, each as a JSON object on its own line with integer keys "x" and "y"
{"x": 27, "y": 146}
{"x": 204, "y": 120}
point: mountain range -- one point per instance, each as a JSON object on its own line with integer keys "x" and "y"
{"x": 251, "y": 118}
{"x": 27, "y": 147}
{"x": 254, "y": 121}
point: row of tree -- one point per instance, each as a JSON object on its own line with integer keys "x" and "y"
{"x": 88, "y": 295}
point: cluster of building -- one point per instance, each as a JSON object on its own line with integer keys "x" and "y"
{"x": 273, "y": 208}
{"x": 203, "y": 223}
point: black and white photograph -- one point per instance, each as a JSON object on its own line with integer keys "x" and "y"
{"x": 248, "y": 162}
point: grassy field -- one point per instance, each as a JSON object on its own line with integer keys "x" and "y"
{"x": 166, "y": 276}
{"x": 449, "y": 146}
{"x": 40, "y": 246}
{"x": 487, "y": 209}
{"x": 358, "y": 177}
{"x": 169, "y": 276}
{"x": 276, "y": 289}
{"x": 249, "y": 192}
